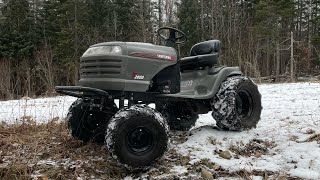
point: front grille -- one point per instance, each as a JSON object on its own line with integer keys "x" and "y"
{"x": 100, "y": 68}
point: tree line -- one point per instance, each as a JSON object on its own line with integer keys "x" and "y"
{"x": 41, "y": 40}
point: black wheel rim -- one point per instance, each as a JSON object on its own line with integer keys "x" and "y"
{"x": 140, "y": 140}
{"x": 244, "y": 104}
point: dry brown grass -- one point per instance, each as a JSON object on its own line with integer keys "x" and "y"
{"x": 255, "y": 147}
{"x": 47, "y": 151}
{"x": 314, "y": 137}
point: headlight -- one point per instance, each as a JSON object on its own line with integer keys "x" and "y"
{"x": 103, "y": 50}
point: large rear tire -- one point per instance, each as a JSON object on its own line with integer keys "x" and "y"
{"x": 137, "y": 136}
{"x": 237, "y": 104}
{"x": 178, "y": 114}
{"x": 89, "y": 124}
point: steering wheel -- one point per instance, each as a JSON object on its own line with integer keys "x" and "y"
{"x": 174, "y": 36}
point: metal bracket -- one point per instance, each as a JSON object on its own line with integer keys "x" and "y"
{"x": 82, "y": 92}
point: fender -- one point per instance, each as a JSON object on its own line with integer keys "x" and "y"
{"x": 203, "y": 84}
{"x": 222, "y": 75}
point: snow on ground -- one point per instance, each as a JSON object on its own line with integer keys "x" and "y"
{"x": 279, "y": 144}
{"x": 290, "y": 114}
{"x": 40, "y": 110}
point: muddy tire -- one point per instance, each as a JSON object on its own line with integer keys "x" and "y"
{"x": 89, "y": 124}
{"x": 178, "y": 115}
{"x": 237, "y": 104}
{"x": 137, "y": 136}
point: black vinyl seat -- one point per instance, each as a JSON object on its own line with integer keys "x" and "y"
{"x": 201, "y": 55}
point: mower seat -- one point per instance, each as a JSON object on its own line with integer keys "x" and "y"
{"x": 201, "y": 55}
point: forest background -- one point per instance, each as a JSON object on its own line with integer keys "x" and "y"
{"x": 41, "y": 40}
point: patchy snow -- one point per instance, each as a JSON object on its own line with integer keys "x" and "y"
{"x": 179, "y": 169}
{"x": 289, "y": 117}
{"x": 41, "y": 110}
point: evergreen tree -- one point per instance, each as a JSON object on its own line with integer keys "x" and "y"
{"x": 99, "y": 21}
{"x": 17, "y": 33}
{"x": 126, "y": 21}
{"x": 189, "y": 17}
{"x": 273, "y": 17}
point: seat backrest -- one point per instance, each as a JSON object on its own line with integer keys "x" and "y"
{"x": 206, "y": 47}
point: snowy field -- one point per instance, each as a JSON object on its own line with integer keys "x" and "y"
{"x": 286, "y": 140}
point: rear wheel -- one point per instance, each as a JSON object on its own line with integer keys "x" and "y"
{"x": 137, "y": 136}
{"x": 179, "y": 115}
{"x": 89, "y": 124}
{"x": 237, "y": 104}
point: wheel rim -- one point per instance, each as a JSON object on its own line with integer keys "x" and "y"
{"x": 140, "y": 140}
{"x": 244, "y": 104}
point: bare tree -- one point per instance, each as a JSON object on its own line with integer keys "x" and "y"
{"x": 44, "y": 58}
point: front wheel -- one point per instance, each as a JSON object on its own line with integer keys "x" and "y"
{"x": 237, "y": 104}
{"x": 137, "y": 136}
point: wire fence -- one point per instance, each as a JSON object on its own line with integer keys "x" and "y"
{"x": 36, "y": 110}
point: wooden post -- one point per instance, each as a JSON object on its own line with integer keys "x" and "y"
{"x": 292, "y": 59}
{"x": 277, "y": 62}
{"x": 309, "y": 34}
{"x": 202, "y": 22}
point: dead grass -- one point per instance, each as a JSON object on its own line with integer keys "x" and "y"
{"x": 255, "y": 147}
{"x": 47, "y": 151}
{"x": 314, "y": 137}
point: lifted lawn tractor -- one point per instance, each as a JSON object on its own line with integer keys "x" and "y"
{"x": 137, "y": 74}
